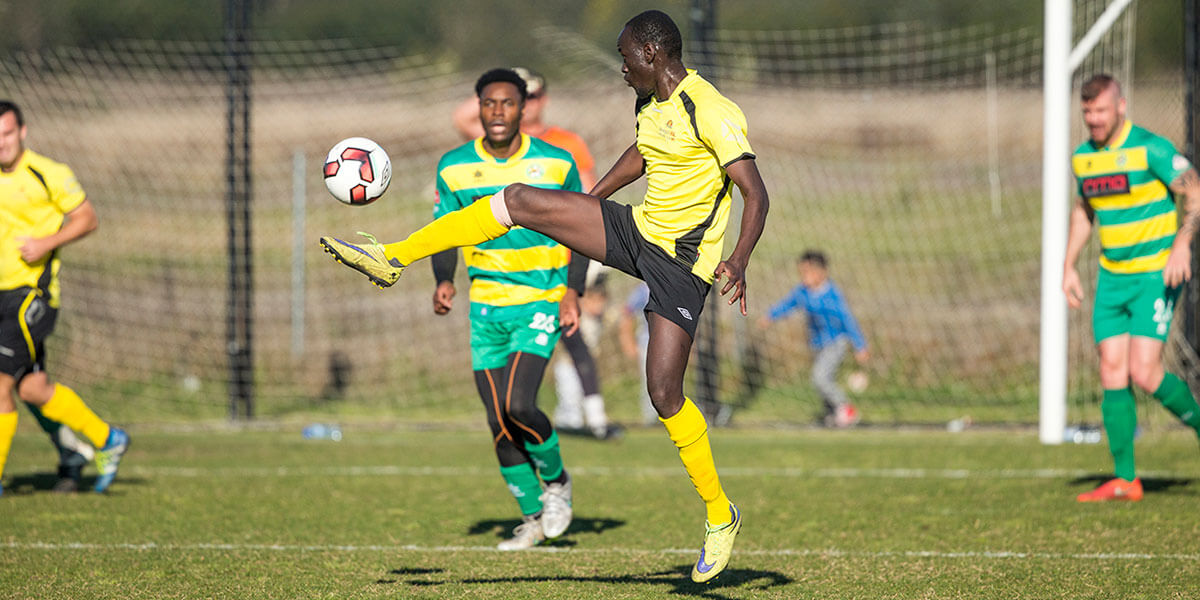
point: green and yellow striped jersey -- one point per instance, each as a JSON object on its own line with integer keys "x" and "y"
{"x": 1126, "y": 184}
{"x": 521, "y": 267}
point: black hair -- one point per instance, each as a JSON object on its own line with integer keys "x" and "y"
{"x": 501, "y": 75}
{"x": 7, "y": 106}
{"x": 656, "y": 27}
{"x": 815, "y": 257}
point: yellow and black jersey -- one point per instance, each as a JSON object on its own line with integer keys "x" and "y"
{"x": 34, "y": 197}
{"x": 687, "y": 142}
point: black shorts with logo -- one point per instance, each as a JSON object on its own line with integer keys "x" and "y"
{"x": 26, "y": 320}
{"x": 675, "y": 292}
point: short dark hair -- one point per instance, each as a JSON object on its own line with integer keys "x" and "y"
{"x": 501, "y": 75}
{"x": 815, "y": 257}
{"x": 7, "y": 106}
{"x": 1098, "y": 84}
{"x": 656, "y": 27}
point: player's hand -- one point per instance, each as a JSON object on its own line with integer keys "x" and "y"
{"x": 443, "y": 297}
{"x": 568, "y": 312}
{"x": 33, "y": 249}
{"x": 735, "y": 279}
{"x": 862, "y": 356}
{"x": 1179, "y": 267}
{"x": 1072, "y": 287}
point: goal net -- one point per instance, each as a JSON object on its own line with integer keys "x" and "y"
{"x": 909, "y": 155}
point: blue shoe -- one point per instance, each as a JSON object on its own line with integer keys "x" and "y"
{"x": 108, "y": 458}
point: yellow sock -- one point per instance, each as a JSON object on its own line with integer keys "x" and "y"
{"x": 467, "y": 226}
{"x": 8, "y": 428}
{"x": 66, "y": 407}
{"x": 689, "y": 431}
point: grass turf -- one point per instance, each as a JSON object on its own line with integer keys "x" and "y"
{"x": 404, "y": 512}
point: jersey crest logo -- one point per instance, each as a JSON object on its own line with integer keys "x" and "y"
{"x": 534, "y": 171}
{"x": 1105, "y": 185}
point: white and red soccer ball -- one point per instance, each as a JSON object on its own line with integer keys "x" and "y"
{"x": 357, "y": 171}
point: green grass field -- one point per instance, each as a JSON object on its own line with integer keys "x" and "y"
{"x": 406, "y": 512}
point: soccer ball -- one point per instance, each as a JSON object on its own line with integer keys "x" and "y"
{"x": 357, "y": 171}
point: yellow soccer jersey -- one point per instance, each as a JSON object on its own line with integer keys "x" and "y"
{"x": 33, "y": 199}
{"x": 687, "y": 141}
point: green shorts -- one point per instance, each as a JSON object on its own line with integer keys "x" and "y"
{"x": 1139, "y": 304}
{"x": 531, "y": 328}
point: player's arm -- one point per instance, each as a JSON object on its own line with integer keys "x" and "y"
{"x": 444, "y": 265}
{"x": 1179, "y": 264}
{"x": 79, "y": 222}
{"x": 744, "y": 174}
{"x": 466, "y": 119}
{"x": 1077, "y": 237}
{"x": 625, "y": 171}
{"x": 568, "y": 307}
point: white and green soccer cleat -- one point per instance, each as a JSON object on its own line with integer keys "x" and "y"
{"x": 718, "y": 546}
{"x": 526, "y": 535}
{"x": 556, "y": 508}
{"x": 368, "y": 259}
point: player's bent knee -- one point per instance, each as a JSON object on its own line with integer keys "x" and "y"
{"x": 35, "y": 388}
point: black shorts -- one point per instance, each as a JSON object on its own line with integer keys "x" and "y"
{"x": 675, "y": 292}
{"x": 26, "y": 320}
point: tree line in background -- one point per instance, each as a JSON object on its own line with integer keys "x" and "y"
{"x": 479, "y": 33}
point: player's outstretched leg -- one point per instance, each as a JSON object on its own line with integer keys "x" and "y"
{"x": 486, "y": 219}
{"x": 368, "y": 259}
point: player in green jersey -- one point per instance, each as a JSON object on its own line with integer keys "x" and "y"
{"x": 518, "y": 281}
{"x": 1128, "y": 182}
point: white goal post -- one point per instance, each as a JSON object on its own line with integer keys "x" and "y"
{"x": 1059, "y": 63}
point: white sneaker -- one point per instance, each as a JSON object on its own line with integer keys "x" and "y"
{"x": 526, "y": 535}
{"x": 556, "y": 508}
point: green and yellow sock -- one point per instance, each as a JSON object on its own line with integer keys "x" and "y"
{"x": 467, "y": 226}
{"x": 1120, "y": 421}
{"x": 8, "y": 428}
{"x": 1177, "y": 398}
{"x": 66, "y": 407}
{"x": 547, "y": 458}
{"x": 689, "y": 431}
{"x": 525, "y": 487}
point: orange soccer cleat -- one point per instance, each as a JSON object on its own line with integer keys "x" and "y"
{"x": 1114, "y": 489}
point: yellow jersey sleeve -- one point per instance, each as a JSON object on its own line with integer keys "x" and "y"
{"x": 722, "y": 128}
{"x": 65, "y": 192}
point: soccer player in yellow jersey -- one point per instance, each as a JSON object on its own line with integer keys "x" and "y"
{"x": 691, "y": 145}
{"x": 42, "y": 208}
{"x": 1129, "y": 181}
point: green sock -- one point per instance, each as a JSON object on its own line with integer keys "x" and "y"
{"x": 547, "y": 458}
{"x": 50, "y": 427}
{"x": 1175, "y": 395}
{"x": 525, "y": 487}
{"x": 1120, "y": 420}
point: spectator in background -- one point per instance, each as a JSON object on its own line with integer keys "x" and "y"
{"x": 832, "y": 329}
{"x": 635, "y": 336}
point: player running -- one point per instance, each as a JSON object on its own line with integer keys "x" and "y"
{"x": 1128, "y": 179}
{"x": 42, "y": 208}
{"x": 691, "y": 145}
{"x": 517, "y": 283}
